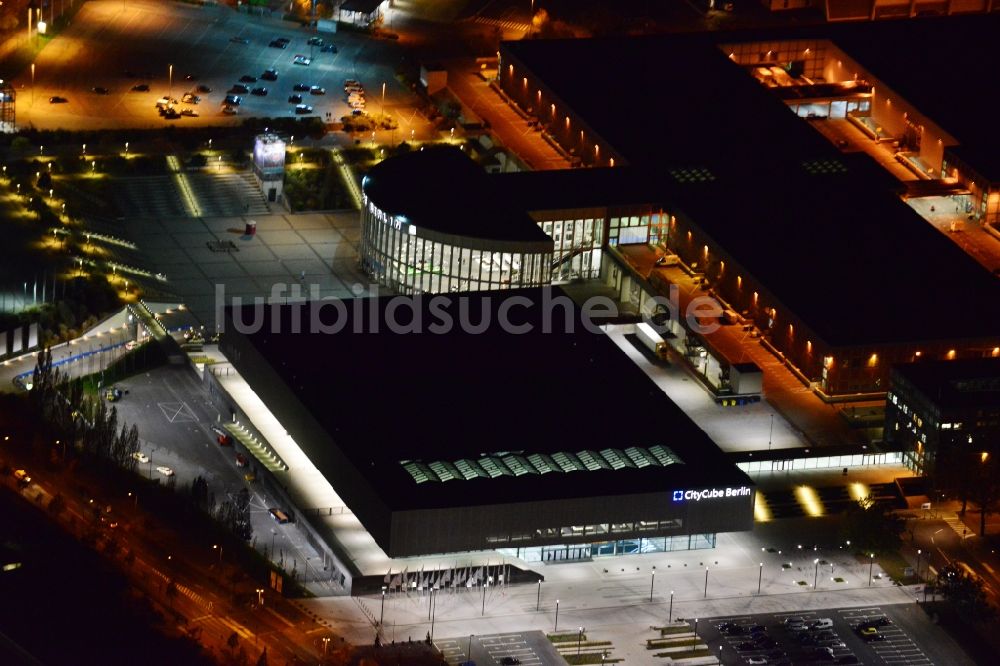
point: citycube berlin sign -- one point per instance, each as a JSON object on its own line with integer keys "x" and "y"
{"x": 710, "y": 493}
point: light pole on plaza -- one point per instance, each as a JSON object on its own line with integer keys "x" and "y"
{"x": 555, "y": 625}
{"x": 32, "y": 84}
{"x": 579, "y": 640}
{"x": 170, "y": 84}
{"x": 652, "y": 579}
{"x": 760, "y": 577}
{"x": 670, "y": 613}
{"x": 695, "y": 641}
{"x": 871, "y": 567}
{"x": 381, "y": 615}
{"x": 382, "y": 107}
{"x": 816, "y": 576}
{"x": 918, "y": 562}
{"x": 706, "y": 582}
{"x": 538, "y": 598}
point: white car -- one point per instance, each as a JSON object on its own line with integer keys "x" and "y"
{"x": 756, "y": 661}
{"x": 140, "y": 457}
{"x": 190, "y": 98}
{"x": 302, "y": 60}
{"x": 165, "y": 471}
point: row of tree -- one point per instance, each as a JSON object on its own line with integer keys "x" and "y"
{"x": 80, "y": 418}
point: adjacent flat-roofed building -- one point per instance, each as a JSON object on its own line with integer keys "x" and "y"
{"x": 815, "y": 246}
{"x": 944, "y": 414}
{"x": 536, "y": 438}
{"x": 432, "y": 221}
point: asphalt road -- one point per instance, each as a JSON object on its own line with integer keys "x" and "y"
{"x": 116, "y": 45}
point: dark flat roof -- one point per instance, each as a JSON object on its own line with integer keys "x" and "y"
{"x": 906, "y": 56}
{"x": 852, "y": 261}
{"x": 441, "y": 188}
{"x": 692, "y": 105}
{"x": 963, "y": 383}
{"x": 390, "y": 398}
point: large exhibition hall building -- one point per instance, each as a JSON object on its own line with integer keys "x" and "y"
{"x": 484, "y": 422}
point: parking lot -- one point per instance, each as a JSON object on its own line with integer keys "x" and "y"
{"x": 898, "y": 635}
{"x": 173, "y": 48}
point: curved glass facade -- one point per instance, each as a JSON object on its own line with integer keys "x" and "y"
{"x": 412, "y": 260}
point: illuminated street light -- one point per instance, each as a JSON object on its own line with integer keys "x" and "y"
{"x": 170, "y": 89}
{"x": 260, "y": 596}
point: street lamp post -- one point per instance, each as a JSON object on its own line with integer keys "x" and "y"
{"x": 326, "y": 644}
{"x": 871, "y": 567}
{"x": 555, "y": 625}
{"x": 538, "y": 597}
{"x": 260, "y": 596}
{"x": 217, "y": 546}
{"x": 381, "y": 615}
{"x": 670, "y": 613}
{"x": 695, "y": 641}
{"x": 918, "y": 563}
{"x": 706, "y": 582}
{"x": 484, "y": 597}
{"x": 652, "y": 579}
{"x": 470, "y": 646}
{"x": 760, "y": 577}
{"x": 816, "y": 577}
{"x": 579, "y": 640}
{"x": 170, "y": 85}
{"x": 32, "y": 82}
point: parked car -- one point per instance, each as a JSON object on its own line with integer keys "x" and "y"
{"x": 270, "y": 75}
{"x": 100, "y": 90}
{"x": 317, "y": 90}
{"x": 239, "y": 89}
{"x": 141, "y": 457}
{"x": 203, "y": 89}
{"x": 295, "y": 99}
{"x": 822, "y": 623}
{"x": 259, "y": 92}
{"x": 872, "y": 634}
{"x": 328, "y": 48}
{"x": 756, "y": 661}
{"x": 113, "y": 394}
{"x": 140, "y": 87}
{"x": 190, "y": 113}
{"x": 302, "y": 60}
{"x": 301, "y": 87}
{"x": 241, "y": 460}
{"x": 746, "y": 646}
{"x": 165, "y": 471}
{"x": 222, "y": 436}
{"x": 351, "y": 82}
{"x": 170, "y": 113}
{"x": 283, "y": 40}
{"x": 315, "y": 41}
{"x": 191, "y": 98}
{"x": 233, "y": 100}
{"x": 22, "y": 476}
{"x": 55, "y": 99}
{"x": 239, "y": 40}
{"x": 230, "y": 110}
{"x": 303, "y": 109}
{"x": 281, "y": 517}
{"x": 275, "y": 44}
{"x": 246, "y": 78}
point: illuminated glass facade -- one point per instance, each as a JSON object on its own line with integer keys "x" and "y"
{"x": 413, "y": 259}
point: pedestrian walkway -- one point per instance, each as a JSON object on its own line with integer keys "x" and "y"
{"x": 505, "y": 24}
{"x": 190, "y": 195}
{"x": 954, "y": 521}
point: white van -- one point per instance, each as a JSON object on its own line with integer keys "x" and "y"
{"x": 822, "y": 623}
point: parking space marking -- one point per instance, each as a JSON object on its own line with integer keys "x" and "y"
{"x": 897, "y": 647}
{"x": 177, "y": 412}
